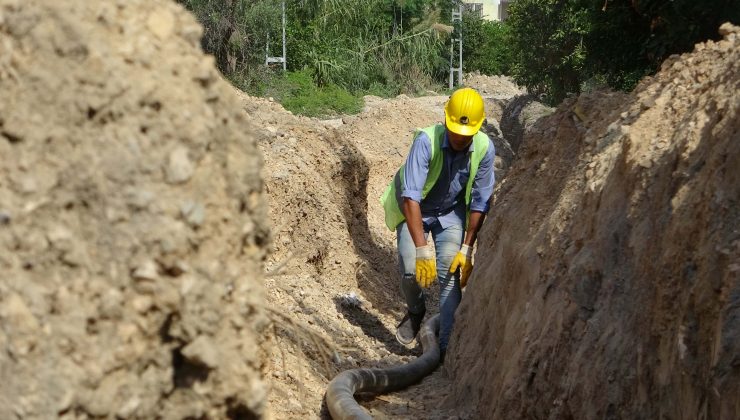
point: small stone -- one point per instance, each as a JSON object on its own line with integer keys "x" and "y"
{"x": 161, "y": 23}
{"x": 142, "y": 303}
{"x": 204, "y": 72}
{"x": 167, "y": 296}
{"x": 75, "y": 256}
{"x": 648, "y": 102}
{"x": 66, "y": 402}
{"x": 193, "y": 212}
{"x": 128, "y": 408}
{"x": 498, "y": 163}
{"x": 179, "y": 167}
{"x": 270, "y": 129}
{"x": 111, "y": 303}
{"x": 126, "y": 331}
{"x": 202, "y": 352}
{"x": 60, "y": 237}
{"x": 727, "y": 28}
{"x": 4, "y": 217}
{"x": 139, "y": 199}
{"x": 294, "y": 404}
{"x": 146, "y": 271}
{"x": 179, "y": 268}
{"x": 334, "y": 123}
{"x": 16, "y": 314}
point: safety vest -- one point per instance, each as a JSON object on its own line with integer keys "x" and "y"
{"x": 391, "y": 198}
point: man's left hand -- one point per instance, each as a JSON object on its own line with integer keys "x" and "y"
{"x": 464, "y": 261}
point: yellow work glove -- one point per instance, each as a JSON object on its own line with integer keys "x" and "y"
{"x": 464, "y": 261}
{"x": 426, "y": 266}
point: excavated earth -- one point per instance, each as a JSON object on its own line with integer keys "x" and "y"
{"x": 332, "y": 269}
{"x": 607, "y": 282}
{"x": 139, "y": 279}
{"x": 132, "y": 220}
{"x": 607, "y": 276}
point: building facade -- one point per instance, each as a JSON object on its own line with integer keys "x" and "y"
{"x": 489, "y": 9}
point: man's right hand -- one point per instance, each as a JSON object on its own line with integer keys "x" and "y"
{"x": 426, "y": 266}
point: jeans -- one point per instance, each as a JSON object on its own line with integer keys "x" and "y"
{"x": 447, "y": 244}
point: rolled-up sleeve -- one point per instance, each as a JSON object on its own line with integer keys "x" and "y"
{"x": 483, "y": 183}
{"x": 417, "y": 167}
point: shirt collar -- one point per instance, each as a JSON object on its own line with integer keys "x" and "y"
{"x": 446, "y": 144}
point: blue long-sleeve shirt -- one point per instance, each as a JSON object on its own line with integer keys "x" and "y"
{"x": 445, "y": 202}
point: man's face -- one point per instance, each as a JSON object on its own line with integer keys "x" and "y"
{"x": 459, "y": 142}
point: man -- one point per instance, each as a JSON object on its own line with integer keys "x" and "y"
{"x": 443, "y": 189}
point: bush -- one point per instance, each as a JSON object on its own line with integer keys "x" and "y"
{"x": 298, "y": 93}
{"x": 354, "y": 44}
{"x": 558, "y": 45}
{"x": 547, "y": 43}
{"x": 486, "y": 46}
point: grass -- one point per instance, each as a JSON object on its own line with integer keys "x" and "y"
{"x": 298, "y": 93}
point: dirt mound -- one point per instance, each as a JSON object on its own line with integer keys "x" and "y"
{"x": 501, "y": 87}
{"x": 131, "y": 218}
{"x": 617, "y": 296}
{"x": 333, "y": 263}
{"x": 519, "y": 115}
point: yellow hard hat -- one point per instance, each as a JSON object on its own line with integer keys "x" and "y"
{"x": 464, "y": 113}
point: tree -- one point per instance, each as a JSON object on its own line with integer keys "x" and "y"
{"x": 485, "y": 45}
{"x": 560, "y": 44}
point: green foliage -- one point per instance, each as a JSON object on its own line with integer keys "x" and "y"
{"x": 235, "y": 32}
{"x": 486, "y": 46}
{"x": 547, "y": 42}
{"x": 561, "y": 45}
{"x": 358, "y": 43}
{"x": 298, "y": 93}
{"x": 381, "y": 47}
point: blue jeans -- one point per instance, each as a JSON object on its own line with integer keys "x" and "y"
{"x": 447, "y": 244}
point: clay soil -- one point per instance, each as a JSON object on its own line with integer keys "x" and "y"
{"x": 332, "y": 269}
{"x": 171, "y": 247}
{"x": 608, "y": 265}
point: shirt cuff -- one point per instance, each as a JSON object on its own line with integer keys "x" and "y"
{"x": 481, "y": 207}
{"x": 414, "y": 195}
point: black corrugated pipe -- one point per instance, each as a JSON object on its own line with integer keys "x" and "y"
{"x": 340, "y": 394}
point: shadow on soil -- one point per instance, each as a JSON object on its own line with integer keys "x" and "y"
{"x": 377, "y": 275}
{"x": 372, "y": 327}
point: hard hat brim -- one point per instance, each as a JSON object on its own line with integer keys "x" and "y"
{"x": 462, "y": 129}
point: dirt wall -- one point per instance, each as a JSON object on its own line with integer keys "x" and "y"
{"x": 332, "y": 266}
{"x": 606, "y": 281}
{"x": 132, "y": 223}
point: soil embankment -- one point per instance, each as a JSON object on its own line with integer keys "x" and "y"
{"x": 333, "y": 261}
{"x": 132, "y": 223}
{"x": 133, "y": 238}
{"x": 607, "y": 280}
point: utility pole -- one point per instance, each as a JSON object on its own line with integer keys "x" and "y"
{"x": 282, "y": 59}
{"x": 456, "y": 59}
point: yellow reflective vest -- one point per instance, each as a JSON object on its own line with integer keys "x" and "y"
{"x": 391, "y": 198}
